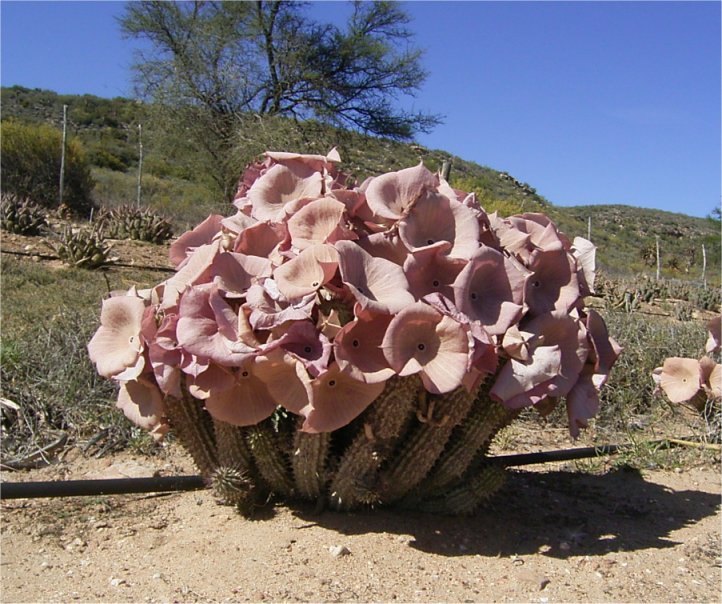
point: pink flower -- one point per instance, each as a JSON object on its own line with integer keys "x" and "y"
{"x": 142, "y": 403}
{"x": 203, "y": 234}
{"x": 321, "y": 221}
{"x": 419, "y": 339}
{"x": 282, "y": 187}
{"x": 308, "y": 272}
{"x": 208, "y": 328}
{"x": 335, "y": 399}
{"x": 490, "y": 289}
{"x": 303, "y": 341}
{"x": 559, "y": 351}
{"x": 435, "y": 218}
{"x": 117, "y": 346}
{"x": 430, "y": 270}
{"x": 357, "y": 348}
{"x": 714, "y": 327}
{"x": 269, "y": 309}
{"x": 195, "y": 271}
{"x": 235, "y": 273}
{"x": 391, "y": 195}
{"x": 377, "y": 284}
{"x": 553, "y": 284}
{"x": 680, "y": 379}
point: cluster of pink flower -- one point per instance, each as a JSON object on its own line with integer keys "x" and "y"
{"x": 693, "y": 381}
{"x": 315, "y": 293}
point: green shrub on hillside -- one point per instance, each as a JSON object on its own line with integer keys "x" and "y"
{"x": 30, "y": 163}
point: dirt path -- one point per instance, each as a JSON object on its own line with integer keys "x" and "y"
{"x": 550, "y": 536}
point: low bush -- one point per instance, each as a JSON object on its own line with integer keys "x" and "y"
{"x": 30, "y": 162}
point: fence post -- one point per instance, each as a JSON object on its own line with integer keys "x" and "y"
{"x": 704, "y": 267}
{"x": 140, "y": 161}
{"x": 659, "y": 263}
{"x": 446, "y": 170}
{"x": 62, "y": 155}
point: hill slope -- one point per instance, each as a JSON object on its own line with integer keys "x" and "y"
{"x": 626, "y": 236}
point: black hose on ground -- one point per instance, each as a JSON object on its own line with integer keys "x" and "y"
{"x": 111, "y": 486}
{"x": 122, "y": 486}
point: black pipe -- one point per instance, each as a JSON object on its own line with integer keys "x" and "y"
{"x": 526, "y": 459}
{"x": 120, "y": 486}
{"x": 113, "y": 486}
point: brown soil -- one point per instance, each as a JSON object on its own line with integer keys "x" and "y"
{"x": 134, "y": 253}
{"x": 552, "y": 534}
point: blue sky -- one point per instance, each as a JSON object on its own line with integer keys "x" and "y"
{"x": 588, "y": 102}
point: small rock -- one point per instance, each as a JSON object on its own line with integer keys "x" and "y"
{"x": 338, "y": 551}
{"x": 116, "y": 582}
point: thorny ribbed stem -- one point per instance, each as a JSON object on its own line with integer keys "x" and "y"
{"x": 270, "y": 458}
{"x": 382, "y": 427}
{"x": 233, "y": 451}
{"x": 309, "y": 459}
{"x": 465, "y": 499}
{"x": 470, "y": 439}
{"x": 193, "y": 427}
{"x": 424, "y": 444}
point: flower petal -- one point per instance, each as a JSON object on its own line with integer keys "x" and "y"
{"x": 680, "y": 379}
{"x": 390, "y": 195}
{"x": 336, "y": 399}
{"x": 117, "y": 343}
{"x": 376, "y": 283}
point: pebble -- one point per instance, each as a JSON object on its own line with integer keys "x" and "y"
{"x": 338, "y": 551}
{"x": 116, "y": 582}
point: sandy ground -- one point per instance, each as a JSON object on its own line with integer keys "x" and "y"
{"x": 551, "y": 535}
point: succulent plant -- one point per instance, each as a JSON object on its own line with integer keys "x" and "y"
{"x": 696, "y": 383}
{"x": 21, "y": 216}
{"x": 82, "y": 247}
{"x": 356, "y": 347}
{"x": 140, "y": 224}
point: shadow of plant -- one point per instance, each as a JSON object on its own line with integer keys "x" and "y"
{"x": 557, "y": 514}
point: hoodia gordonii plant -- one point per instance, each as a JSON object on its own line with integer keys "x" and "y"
{"x": 356, "y": 345}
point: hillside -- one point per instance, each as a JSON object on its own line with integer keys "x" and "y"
{"x": 108, "y": 129}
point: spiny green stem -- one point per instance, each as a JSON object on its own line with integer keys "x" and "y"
{"x": 382, "y": 427}
{"x": 469, "y": 439}
{"x": 193, "y": 427}
{"x": 271, "y": 461}
{"x": 310, "y": 454}
{"x": 233, "y": 451}
{"x": 424, "y": 444}
{"x": 466, "y": 498}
